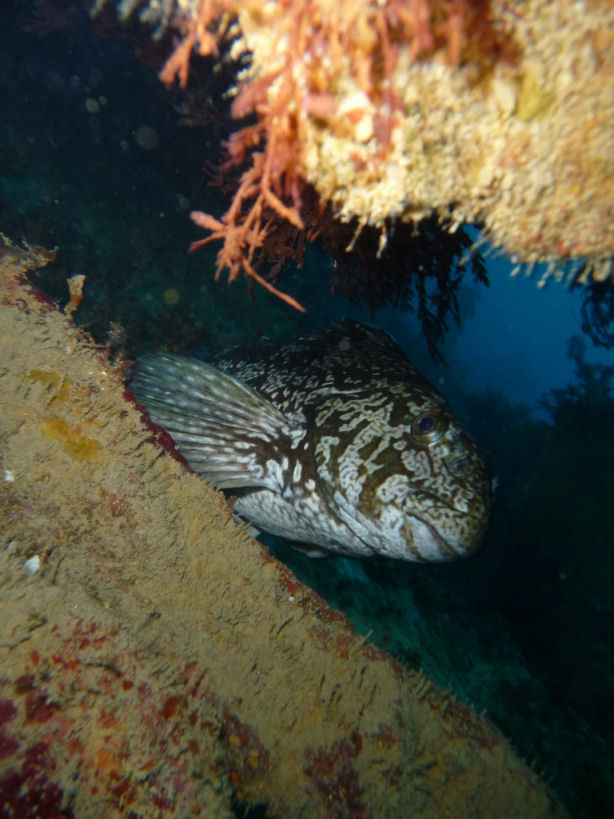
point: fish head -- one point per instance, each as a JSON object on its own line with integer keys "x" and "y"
{"x": 403, "y": 474}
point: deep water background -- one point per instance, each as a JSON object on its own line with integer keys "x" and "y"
{"x": 525, "y": 629}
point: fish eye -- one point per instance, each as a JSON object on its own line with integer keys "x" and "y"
{"x": 427, "y": 427}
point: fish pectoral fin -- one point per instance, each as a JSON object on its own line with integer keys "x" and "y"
{"x": 309, "y": 551}
{"x": 224, "y": 429}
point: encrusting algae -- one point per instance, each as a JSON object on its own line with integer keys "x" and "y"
{"x": 499, "y": 113}
{"x": 156, "y": 661}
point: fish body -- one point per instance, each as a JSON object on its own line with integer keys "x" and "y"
{"x": 335, "y": 442}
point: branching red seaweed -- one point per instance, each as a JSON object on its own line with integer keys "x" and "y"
{"x": 310, "y": 42}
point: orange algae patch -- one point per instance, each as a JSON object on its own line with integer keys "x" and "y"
{"x": 106, "y": 760}
{"x": 71, "y": 438}
{"x": 51, "y": 379}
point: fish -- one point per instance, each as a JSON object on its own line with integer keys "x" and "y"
{"x": 334, "y": 442}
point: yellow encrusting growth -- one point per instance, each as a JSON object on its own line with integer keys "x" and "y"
{"x": 71, "y": 438}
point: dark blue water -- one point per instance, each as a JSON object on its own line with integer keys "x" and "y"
{"x": 531, "y": 326}
{"x": 93, "y": 160}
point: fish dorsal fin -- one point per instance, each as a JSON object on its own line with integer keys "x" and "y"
{"x": 224, "y": 429}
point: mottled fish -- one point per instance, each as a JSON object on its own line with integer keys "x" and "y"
{"x": 335, "y": 442}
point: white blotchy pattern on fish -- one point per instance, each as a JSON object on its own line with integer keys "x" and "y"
{"x": 334, "y": 440}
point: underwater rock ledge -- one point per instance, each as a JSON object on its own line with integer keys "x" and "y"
{"x": 490, "y": 112}
{"x": 155, "y": 660}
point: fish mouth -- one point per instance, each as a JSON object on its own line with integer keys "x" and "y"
{"x": 440, "y": 549}
{"x": 463, "y": 543}
{"x": 446, "y": 549}
{"x": 451, "y": 549}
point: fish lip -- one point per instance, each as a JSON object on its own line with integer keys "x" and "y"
{"x": 448, "y": 550}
